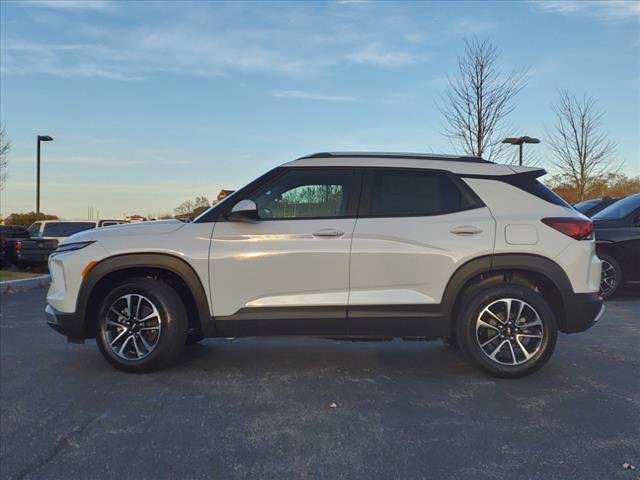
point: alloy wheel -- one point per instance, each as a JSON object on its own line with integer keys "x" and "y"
{"x": 132, "y": 327}
{"x": 608, "y": 279}
{"x": 509, "y": 331}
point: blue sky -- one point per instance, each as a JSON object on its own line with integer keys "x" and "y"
{"x": 151, "y": 103}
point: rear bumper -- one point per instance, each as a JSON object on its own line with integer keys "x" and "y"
{"x": 69, "y": 324}
{"x": 582, "y": 311}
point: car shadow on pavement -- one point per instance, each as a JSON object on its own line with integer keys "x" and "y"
{"x": 311, "y": 356}
{"x": 628, "y": 292}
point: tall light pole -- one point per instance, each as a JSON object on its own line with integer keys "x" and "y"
{"x": 520, "y": 141}
{"x": 41, "y": 138}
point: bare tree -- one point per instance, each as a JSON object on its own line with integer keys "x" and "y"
{"x": 5, "y": 148}
{"x": 189, "y": 206}
{"x": 582, "y": 152}
{"x": 478, "y": 99}
{"x": 201, "y": 201}
{"x": 184, "y": 208}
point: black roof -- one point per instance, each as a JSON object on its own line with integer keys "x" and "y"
{"x": 417, "y": 156}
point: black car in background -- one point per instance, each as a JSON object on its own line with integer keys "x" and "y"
{"x": 617, "y": 231}
{"x": 46, "y": 234}
{"x": 10, "y": 237}
{"x": 595, "y": 205}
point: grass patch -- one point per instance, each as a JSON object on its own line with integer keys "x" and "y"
{"x": 11, "y": 275}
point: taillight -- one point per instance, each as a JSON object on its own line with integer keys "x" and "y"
{"x": 577, "y": 228}
{"x": 17, "y": 246}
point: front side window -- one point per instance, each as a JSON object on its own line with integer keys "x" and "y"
{"x": 305, "y": 194}
{"x": 66, "y": 229}
{"x": 397, "y": 193}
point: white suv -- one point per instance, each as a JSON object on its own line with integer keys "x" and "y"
{"x": 355, "y": 245}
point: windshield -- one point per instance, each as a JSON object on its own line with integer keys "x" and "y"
{"x": 620, "y": 209}
{"x": 66, "y": 229}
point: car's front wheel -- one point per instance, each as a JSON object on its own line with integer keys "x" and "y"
{"x": 142, "y": 325}
{"x": 507, "y": 330}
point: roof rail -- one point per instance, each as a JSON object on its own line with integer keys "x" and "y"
{"x": 417, "y": 156}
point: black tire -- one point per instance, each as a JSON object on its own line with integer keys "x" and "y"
{"x": 513, "y": 344}
{"x": 193, "y": 338}
{"x": 452, "y": 343}
{"x": 611, "y": 274}
{"x": 171, "y": 319}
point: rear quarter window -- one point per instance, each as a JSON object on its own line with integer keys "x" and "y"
{"x": 537, "y": 188}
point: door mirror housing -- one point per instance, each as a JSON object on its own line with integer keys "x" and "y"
{"x": 244, "y": 211}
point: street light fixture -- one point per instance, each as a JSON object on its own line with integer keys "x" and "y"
{"x": 41, "y": 138}
{"x": 520, "y": 141}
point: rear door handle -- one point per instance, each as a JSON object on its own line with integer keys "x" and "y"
{"x": 466, "y": 230}
{"x": 328, "y": 232}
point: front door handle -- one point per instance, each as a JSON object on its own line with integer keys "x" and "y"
{"x": 466, "y": 230}
{"x": 328, "y": 232}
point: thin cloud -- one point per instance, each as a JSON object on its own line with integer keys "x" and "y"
{"x": 299, "y": 94}
{"x": 83, "y": 160}
{"x": 400, "y": 99}
{"x": 199, "y": 41}
{"x": 91, "y": 139}
{"x": 72, "y": 5}
{"x": 601, "y": 9}
{"x": 63, "y": 60}
{"x": 466, "y": 26}
{"x": 379, "y": 57}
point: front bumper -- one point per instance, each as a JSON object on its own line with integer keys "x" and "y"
{"x": 69, "y": 324}
{"x": 582, "y": 311}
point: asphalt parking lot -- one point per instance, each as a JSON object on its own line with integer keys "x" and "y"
{"x": 262, "y": 408}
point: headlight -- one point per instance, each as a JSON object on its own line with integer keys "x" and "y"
{"x": 71, "y": 247}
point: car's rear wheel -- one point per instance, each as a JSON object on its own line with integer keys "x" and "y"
{"x": 611, "y": 277}
{"x": 507, "y": 330}
{"x": 142, "y": 325}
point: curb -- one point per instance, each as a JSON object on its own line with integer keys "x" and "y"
{"x": 9, "y": 286}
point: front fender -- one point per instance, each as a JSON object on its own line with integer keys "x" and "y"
{"x": 141, "y": 261}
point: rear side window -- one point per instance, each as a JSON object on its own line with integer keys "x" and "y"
{"x": 530, "y": 184}
{"x": 65, "y": 229}
{"x": 397, "y": 193}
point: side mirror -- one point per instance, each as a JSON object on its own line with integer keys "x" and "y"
{"x": 244, "y": 211}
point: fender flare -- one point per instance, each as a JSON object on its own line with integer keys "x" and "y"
{"x": 506, "y": 261}
{"x": 161, "y": 261}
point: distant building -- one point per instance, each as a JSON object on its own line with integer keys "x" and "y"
{"x": 187, "y": 217}
{"x": 135, "y": 218}
{"x": 222, "y": 195}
